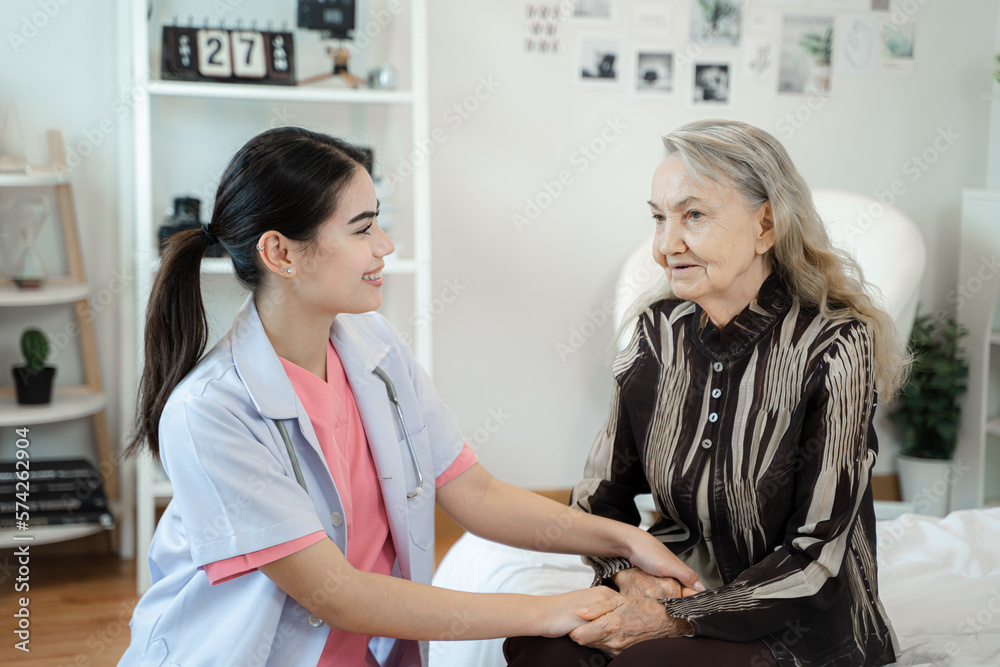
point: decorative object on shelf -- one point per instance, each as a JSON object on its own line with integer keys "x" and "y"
{"x": 383, "y": 77}
{"x": 928, "y": 411}
{"x": 341, "y": 57}
{"x": 334, "y": 18}
{"x": 12, "y": 156}
{"x": 228, "y": 56}
{"x": 33, "y": 380}
{"x": 186, "y": 215}
{"x": 63, "y": 492}
{"x": 30, "y": 213}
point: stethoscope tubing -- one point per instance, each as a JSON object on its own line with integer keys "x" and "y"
{"x": 391, "y": 391}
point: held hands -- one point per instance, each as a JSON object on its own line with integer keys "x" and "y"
{"x": 617, "y": 623}
{"x": 634, "y": 583}
{"x": 563, "y": 611}
{"x": 650, "y": 555}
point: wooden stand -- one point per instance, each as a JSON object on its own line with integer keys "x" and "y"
{"x": 76, "y": 401}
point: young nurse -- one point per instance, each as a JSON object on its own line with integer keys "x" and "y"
{"x": 301, "y": 529}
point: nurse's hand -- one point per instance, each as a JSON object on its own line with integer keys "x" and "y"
{"x": 561, "y": 613}
{"x": 650, "y": 555}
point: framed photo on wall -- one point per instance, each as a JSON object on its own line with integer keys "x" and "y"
{"x": 654, "y": 74}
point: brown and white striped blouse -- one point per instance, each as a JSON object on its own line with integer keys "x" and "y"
{"x": 778, "y": 404}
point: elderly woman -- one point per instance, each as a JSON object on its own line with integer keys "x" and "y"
{"x": 744, "y": 404}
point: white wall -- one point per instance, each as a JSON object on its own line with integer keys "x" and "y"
{"x": 523, "y": 293}
{"x": 58, "y": 63}
{"x": 508, "y": 298}
{"x": 993, "y": 163}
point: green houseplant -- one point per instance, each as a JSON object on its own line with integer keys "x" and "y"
{"x": 928, "y": 412}
{"x": 33, "y": 380}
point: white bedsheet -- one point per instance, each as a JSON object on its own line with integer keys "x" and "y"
{"x": 939, "y": 580}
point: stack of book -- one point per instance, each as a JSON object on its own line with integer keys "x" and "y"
{"x": 58, "y": 492}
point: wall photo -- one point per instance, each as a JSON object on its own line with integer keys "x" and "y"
{"x": 716, "y": 22}
{"x": 806, "y": 53}
{"x": 654, "y": 73}
{"x": 712, "y": 84}
{"x": 599, "y": 59}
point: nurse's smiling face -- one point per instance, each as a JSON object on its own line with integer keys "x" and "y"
{"x": 341, "y": 270}
{"x": 709, "y": 240}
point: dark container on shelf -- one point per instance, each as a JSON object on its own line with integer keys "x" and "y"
{"x": 33, "y": 387}
{"x": 187, "y": 215}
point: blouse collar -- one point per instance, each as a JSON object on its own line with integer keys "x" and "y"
{"x": 771, "y": 303}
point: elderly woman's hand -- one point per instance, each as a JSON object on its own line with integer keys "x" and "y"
{"x": 634, "y": 583}
{"x": 618, "y": 623}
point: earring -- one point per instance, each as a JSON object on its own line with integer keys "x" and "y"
{"x": 289, "y": 269}
{"x": 259, "y": 248}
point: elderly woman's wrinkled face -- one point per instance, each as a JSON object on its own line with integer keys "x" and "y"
{"x": 708, "y": 239}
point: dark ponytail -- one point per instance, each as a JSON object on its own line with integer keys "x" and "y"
{"x": 287, "y": 179}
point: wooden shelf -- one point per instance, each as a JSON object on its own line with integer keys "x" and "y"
{"x": 307, "y": 93}
{"x": 38, "y": 177}
{"x": 65, "y": 405}
{"x": 43, "y": 296}
{"x": 47, "y": 534}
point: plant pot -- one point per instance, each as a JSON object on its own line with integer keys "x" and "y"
{"x": 819, "y": 79}
{"x": 926, "y": 483}
{"x": 33, "y": 387}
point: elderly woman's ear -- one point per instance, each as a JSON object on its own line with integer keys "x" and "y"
{"x": 764, "y": 240}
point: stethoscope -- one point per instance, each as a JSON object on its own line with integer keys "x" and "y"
{"x": 391, "y": 390}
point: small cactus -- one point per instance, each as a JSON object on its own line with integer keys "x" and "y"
{"x": 35, "y": 348}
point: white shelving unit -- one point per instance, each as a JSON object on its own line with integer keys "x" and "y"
{"x": 69, "y": 402}
{"x": 139, "y": 213}
{"x": 979, "y": 431}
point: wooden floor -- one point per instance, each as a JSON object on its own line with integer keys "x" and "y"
{"x": 81, "y": 605}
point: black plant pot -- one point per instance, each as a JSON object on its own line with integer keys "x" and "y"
{"x": 33, "y": 387}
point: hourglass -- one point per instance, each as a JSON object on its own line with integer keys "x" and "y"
{"x": 30, "y": 214}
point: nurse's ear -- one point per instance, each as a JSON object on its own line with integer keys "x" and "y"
{"x": 275, "y": 253}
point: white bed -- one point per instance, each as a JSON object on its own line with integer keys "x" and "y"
{"x": 939, "y": 580}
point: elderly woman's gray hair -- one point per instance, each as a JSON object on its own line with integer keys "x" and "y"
{"x": 759, "y": 168}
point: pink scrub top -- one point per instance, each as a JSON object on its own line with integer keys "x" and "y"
{"x": 337, "y": 423}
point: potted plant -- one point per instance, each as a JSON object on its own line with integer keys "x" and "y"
{"x": 820, "y": 49}
{"x": 927, "y": 409}
{"x": 33, "y": 381}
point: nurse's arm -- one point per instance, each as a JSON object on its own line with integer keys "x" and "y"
{"x": 321, "y": 580}
{"x": 497, "y": 511}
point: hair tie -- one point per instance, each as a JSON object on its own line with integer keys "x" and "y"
{"x": 212, "y": 239}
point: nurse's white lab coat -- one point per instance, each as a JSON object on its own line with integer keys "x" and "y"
{"x": 235, "y": 493}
